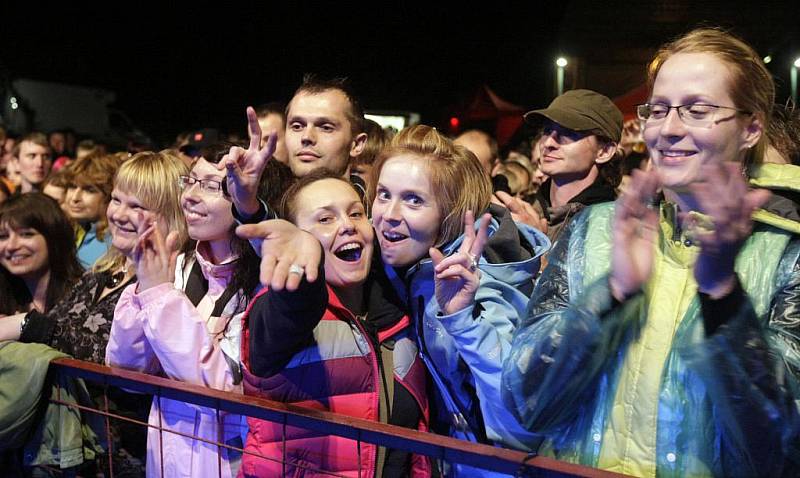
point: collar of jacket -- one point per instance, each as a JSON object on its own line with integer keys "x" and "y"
{"x": 782, "y": 210}
{"x": 214, "y": 271}
{"x": 597, "y": 192}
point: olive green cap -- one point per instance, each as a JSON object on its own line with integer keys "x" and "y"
{"x": 582, "y": 110}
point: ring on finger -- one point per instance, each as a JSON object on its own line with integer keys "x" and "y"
{"x": 296, "y": 269}
{"x": 473, "y": 262}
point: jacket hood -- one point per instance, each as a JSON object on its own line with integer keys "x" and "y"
{"x": 782, "y": 210}
{"x": 513, "y": 249}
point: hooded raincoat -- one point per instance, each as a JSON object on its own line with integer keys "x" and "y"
{"x": 464, "y": 351}
{"x": 647, "y": 387}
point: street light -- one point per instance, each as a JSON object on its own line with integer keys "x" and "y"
{"x": 795, "y": 66}
{"x": 767, "y": 59}
{"x": 561, "y": 62}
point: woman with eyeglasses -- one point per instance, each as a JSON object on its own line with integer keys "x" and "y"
{"x": 182, "y": 320}
{"x": 664, "y": 336}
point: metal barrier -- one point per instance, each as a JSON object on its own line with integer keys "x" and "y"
{"x": 435, "y": 446}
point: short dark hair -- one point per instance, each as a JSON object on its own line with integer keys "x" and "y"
{"x": 315, "y": 85}
{"x": 273, "y": 107}
{"x": 377, "y": 139}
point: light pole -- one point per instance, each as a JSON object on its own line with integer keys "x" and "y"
{"x": 561, "y": 62}
{"x": 795, "y": 66}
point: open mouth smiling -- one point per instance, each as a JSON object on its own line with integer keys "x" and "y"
{"x": 350, "y": 252}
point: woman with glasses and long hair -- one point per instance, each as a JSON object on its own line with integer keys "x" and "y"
{"x": 182, "y": 320}
{"x": 662, "y": 338}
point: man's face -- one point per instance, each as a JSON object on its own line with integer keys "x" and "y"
{"x": 273, "y": 123}
{"x": 319, "y": 134}
{"x": 58, "y": 142}
{"x": 567, "y": 154}
{"x": 33, "y": 164}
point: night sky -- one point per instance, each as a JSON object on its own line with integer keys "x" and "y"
{"x": 177, "y": 69}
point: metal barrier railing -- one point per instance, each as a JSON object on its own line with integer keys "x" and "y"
{"x": 435, "y": 446}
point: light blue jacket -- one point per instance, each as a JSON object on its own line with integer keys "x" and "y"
{"x": 465, "y": 351}
{"x": 92, "y": 247}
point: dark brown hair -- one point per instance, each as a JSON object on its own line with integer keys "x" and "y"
{"x": 42, "y": 213}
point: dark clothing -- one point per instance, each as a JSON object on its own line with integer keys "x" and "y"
{"x": 79, "y": 324}
{"x": 557, "y": 217}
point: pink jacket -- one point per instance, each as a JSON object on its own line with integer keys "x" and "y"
{"x": 160, "y": 332}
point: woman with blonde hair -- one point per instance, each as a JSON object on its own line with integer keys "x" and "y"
{"x": 663, "y": 340}
{"x": 79, "y": 324}
{"x": 183, "y": 320}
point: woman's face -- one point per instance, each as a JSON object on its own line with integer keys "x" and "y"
{"x": 208, "y": 214}
{"x": 333, "y": 213}
{"x": 127, "y": 219}
{"x": 678, "y": 150}
{"x": 405, "y": 212}
{"x": 23, "y": 251}
{"x": 84, "y": 203}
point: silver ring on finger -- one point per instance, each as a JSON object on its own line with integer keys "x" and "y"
{"x": 473, "y": 262}
{"x": 296, "y": 269}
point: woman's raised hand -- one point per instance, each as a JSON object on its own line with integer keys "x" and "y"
{"x": 245, "y": 166}
{"x": 457, "y": 277}
{"x": 723, "y": 197}
{"x": 635, "y": 230}
{"x": 154, "y": 256}
{"x": 287, "y": 253}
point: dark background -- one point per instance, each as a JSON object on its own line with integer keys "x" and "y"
{"x": 188, "y": 67}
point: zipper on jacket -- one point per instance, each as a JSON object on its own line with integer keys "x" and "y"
{"x": 458, "y": 419}
{"x": 374, "y": 345}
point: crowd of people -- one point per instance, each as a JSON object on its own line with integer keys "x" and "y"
{"x": 646, "y": 325}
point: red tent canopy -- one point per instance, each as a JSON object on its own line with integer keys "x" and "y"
{"x": 627, "y": 102}
{"x": 487, "y": 105}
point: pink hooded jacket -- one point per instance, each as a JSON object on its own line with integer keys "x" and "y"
{"x": 160, "y": 331}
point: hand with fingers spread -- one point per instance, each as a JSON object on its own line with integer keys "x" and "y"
{"x": 522, "y": 212}
{"x": 723, "y": 197}
{"x": 457, "y": 277}
{"x": 244, "y": 167}
{"x": 635, "y": 232}
{"x": 154, "y": 256}
{"x": 287, "y": 253}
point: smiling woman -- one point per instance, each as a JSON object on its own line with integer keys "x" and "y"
{"x": 37, "y": 254}
{"x": 182, "y": 319}
{"x": 466, "y": 281}
{"x": 662, "y": 339}
{"x": 353, "y": 331}
{"x": 88, "y": 189}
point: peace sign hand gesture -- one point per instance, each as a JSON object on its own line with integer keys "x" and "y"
{"x": 244, "y": 167}
{"x": 457, "y": 277}
{"x": 154, "y": 256}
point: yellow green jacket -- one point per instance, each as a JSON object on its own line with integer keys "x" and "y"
{"x": 639, "y": 387}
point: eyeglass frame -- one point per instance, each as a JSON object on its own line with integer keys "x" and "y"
{"x": 185, "y": 182}
{"x": 681, "y": 109}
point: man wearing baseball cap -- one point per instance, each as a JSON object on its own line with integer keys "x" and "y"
{"x": 580, "y": 132}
